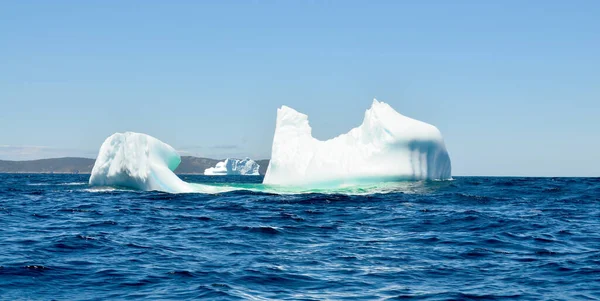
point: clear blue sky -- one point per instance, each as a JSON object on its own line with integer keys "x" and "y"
{"x": 514, "y": 86}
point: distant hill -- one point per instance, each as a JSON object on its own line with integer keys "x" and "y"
{"x": 195, "y": 165}
{"x": 56, "y": 165}
{"x": 189, "y": 165}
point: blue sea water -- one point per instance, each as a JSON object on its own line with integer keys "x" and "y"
{"x": 474, "y": 238}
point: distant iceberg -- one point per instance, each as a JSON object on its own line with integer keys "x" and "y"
{"x": 246, "y": 167}
{"x": 386, "y": 146}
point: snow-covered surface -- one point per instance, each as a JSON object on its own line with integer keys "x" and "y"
{"x": 386, "y": 146}
{"x": 245, "y": 167}
{"x": 137, "y": 161}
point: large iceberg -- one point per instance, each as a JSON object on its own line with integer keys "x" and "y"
{"x": 137, "y": 161}
{"x": 386, "y": 146}
{"x": 246, "y": 167}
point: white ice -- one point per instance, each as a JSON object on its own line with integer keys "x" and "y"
{"x": 137, "y": 161}
{"x": 245, "y": 167}
{"x": 142, "y": 162}
{"x": 386, "y": 146}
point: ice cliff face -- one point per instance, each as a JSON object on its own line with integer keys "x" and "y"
{"x": 386, "y": 146}
{"x": 246, "y": 167}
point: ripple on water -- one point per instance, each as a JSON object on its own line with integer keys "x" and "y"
{"x": 472, "y": 238}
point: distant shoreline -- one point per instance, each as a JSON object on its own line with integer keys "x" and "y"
{"x": 76, "y": 165}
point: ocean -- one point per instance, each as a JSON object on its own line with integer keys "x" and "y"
{"x": 472, "y": 238}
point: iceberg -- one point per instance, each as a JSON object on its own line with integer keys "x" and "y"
{"x": 387, "y": 146}
{"x": 246, "y": 167}
{"x": 142, "y": 162}
{"x": 137, "y": 161}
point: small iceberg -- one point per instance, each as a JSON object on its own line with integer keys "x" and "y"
{"x": 246, "y": 167}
